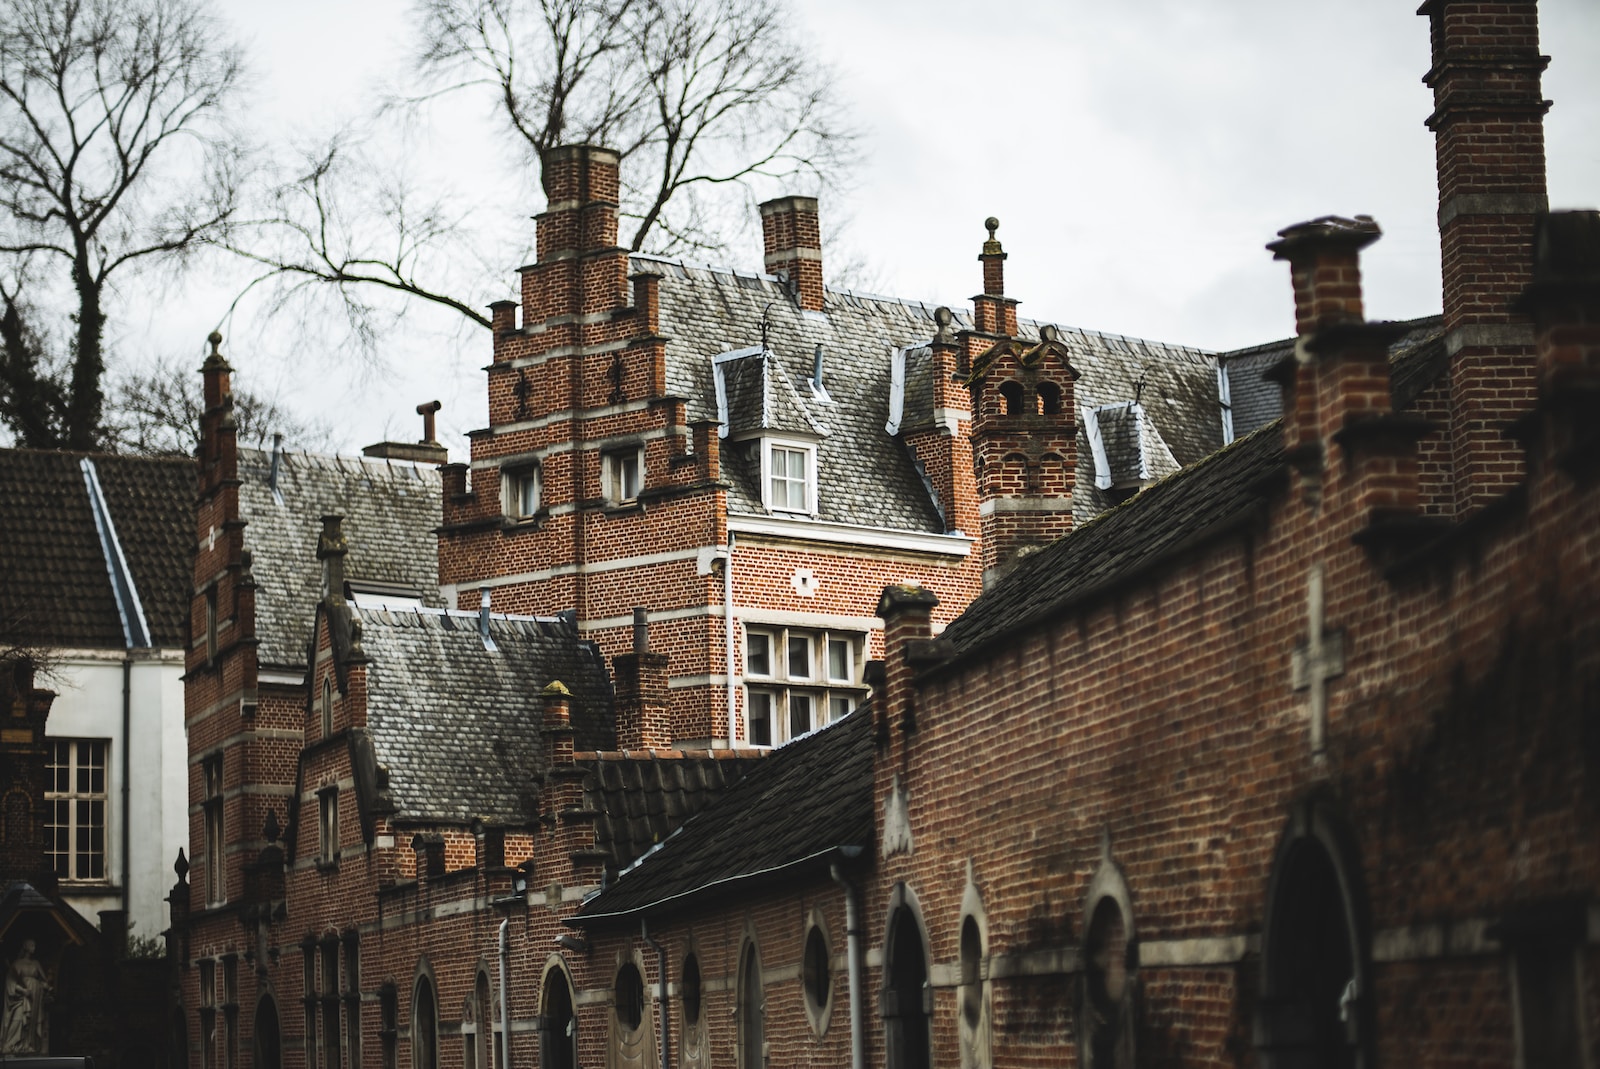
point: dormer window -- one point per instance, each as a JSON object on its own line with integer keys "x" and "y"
{"x": 519, "y": 491}
{"x": 789, "y": 476}
{"x": 622, "y": 474}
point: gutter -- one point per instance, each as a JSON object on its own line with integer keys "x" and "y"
{"x": 846, "y": 852}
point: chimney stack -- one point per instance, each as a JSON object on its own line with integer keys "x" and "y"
{"x": 644, "y": 709}
{"x": 792, "y": 238}
{"x": 1488, "y": 122}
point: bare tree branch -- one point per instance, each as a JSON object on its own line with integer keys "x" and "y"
{"x": 113, "y": 154}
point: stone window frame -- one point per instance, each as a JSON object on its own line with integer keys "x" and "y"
{"x": 331, "y": 1035}
{"x": 518, "y": 479}
{"x": 615, "y": 482}
{"x": 1108, "y": 884}
{"x": 210, "y": 625}
{"x": 973, "y": 989}
{"x": 903, "y": 899}
{"x": 328, "y": 827}
{"x": 351, "y": 993}
{"x": 79, "y": 759}
{"x": 818, "y": 1014}
{"x": 807, "y": 480}
{"x": 832, "y": 698}
{"x": 214, "y": 827}
{"x": 635, "y": 1044}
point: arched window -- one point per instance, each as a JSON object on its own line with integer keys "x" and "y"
{"x": 1049, "y": 399}
{"x": 424, "y": 1026}
{"x": 327, "y": 706}
{"x": 1106, "y": 1015}
{"x": 906, "y": 996}
{"x": 971, "y": 982}
{"x": 1314, "y": 1003}
{"x": 479, "y": 1045}
{"x": 629, "y": 997}
{"x": 751, "y": 1010}
{"x": 973, "y": 1024}
{"x": 268, "y": 1043}
{"x": 1011, "y": 398}
{"x": 558, "y": 1039}
{"x": 691, "y": 992}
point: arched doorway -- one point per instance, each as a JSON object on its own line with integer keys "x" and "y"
{"x": 424, "y": 1026}
{"x": 752, "y": 1026}
{"x": 558, "y": 1041}
{"x": 268, "y": 1043}
{"x": 906, "y": 993}
{"x": 1314, "y": 997}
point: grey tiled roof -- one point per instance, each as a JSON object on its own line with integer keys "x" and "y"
{"x": 1149, "y": 528}
{"x": 643, "y": 798}
{"x": 55, "y": 589}
{"x": 1134, "y": 450}
{"x": 458, "y": 725}
{"x": 708, "y": 311}
{"x": 752, "y": 830}
{"x": 390, "y": 508}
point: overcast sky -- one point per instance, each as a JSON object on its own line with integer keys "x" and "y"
{"x": 1138, "y": 155}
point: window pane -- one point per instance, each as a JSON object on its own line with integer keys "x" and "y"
{"x": 800, "y": 707}
{"x": 760, "y": 711}
{"x": 838, "y": 706}
{"x": 800, "y": 657}
{"x": 839, "y": 660}
{"x": 758, "y": 654}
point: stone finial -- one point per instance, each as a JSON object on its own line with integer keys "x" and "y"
{"x": 993, "y": 257}
{"x": 991, "y": 246}
{"x": 181, "y": 866}
{"x": 943, "y": 318}
{"x": 215, "y": 359}
{"x": 555, "y": 689}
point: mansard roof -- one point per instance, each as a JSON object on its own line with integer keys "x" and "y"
{"x": 390, "y": 510}
{"x": 709, "y": 311}
{"x": 750, "y": 833}
{"x": 457, "y": 723}
{"x": 55, "y": 584}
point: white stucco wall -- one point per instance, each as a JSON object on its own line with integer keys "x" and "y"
{"x": 88, "y": 705}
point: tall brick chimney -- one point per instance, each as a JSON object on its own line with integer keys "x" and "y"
{"x": 1488, "y": 122}
{"x": 792, "y": 238}
{"x": 644, "y": 710}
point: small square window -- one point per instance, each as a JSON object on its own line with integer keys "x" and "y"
{"x": 758, "y": 654}
{"x": 789, "y": 478}
{"x": 622, "y": 473}
{"x": 519, "y": 492}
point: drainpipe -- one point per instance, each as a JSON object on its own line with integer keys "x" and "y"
{"x": 661, "y": 960}
{"x": 505, "y": 995}
{"x": 852, "y": 927}
{"x": 127, "y": 739}
{"x": 727, "y": 613}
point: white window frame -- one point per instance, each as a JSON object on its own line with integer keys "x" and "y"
{"x": 808, "y": 450}
{"x": 78, "y": 807}
{"x": 517, "y": 482}
{"x": 781, "y": 690}
{"x": 613, "y": 472}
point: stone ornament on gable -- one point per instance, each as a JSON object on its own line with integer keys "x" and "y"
{"x": 26, "y": 1024}
{"x": 897, "y": 820}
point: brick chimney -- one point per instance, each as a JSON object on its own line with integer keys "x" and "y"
{"x": 1355, "y": 456}
{"x": 992, "y": 311}
{"x": 792, "y": 239}
{"x": 1488, "y": 122}
{"x": 1564, "y": 302}
{"x": 644, "y": 711}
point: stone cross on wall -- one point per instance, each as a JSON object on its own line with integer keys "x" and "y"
{"x": 1317, "y": 660}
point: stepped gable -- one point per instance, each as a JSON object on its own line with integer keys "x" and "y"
{"x": 706, "y": 312}
{"x": 643, "y": 798}
{"x": 456, "y": 724}
{"x": 390, "y": 510}
{"x": 1199, "y": 502}
{"x": 54, "y": 585}
{"x": 750, "y": 832}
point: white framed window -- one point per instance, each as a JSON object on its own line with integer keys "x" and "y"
{"x": 76, "y": 801}
{"x": 328, "y": 826}
{"x": 622, "y": 474}
{"x": 520, "y": 488}
{"x": 797, "y": 680}
{"x": 789, "y": 476}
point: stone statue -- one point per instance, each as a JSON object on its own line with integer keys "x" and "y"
{"x": 24, "y": 1028}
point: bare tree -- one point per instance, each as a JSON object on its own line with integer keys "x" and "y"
{"x": 701, "y": 98}
{"x": 156, "y": 412}
{"x": 113, "y": 156}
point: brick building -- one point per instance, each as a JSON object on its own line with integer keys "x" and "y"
{"x": 1287, "y": 759}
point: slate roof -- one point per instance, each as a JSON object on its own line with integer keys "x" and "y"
{"x": 1131, "y": 450}
{"x": 803, "y": 802}
{"x": 390, "y": 510}
{"x": 643, "y": 798}
{"x": 458, "y": 725}
{"x": 55, "y": 588}
{"x": 710, "y": 311}
{"x": 1153, "y": 526}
